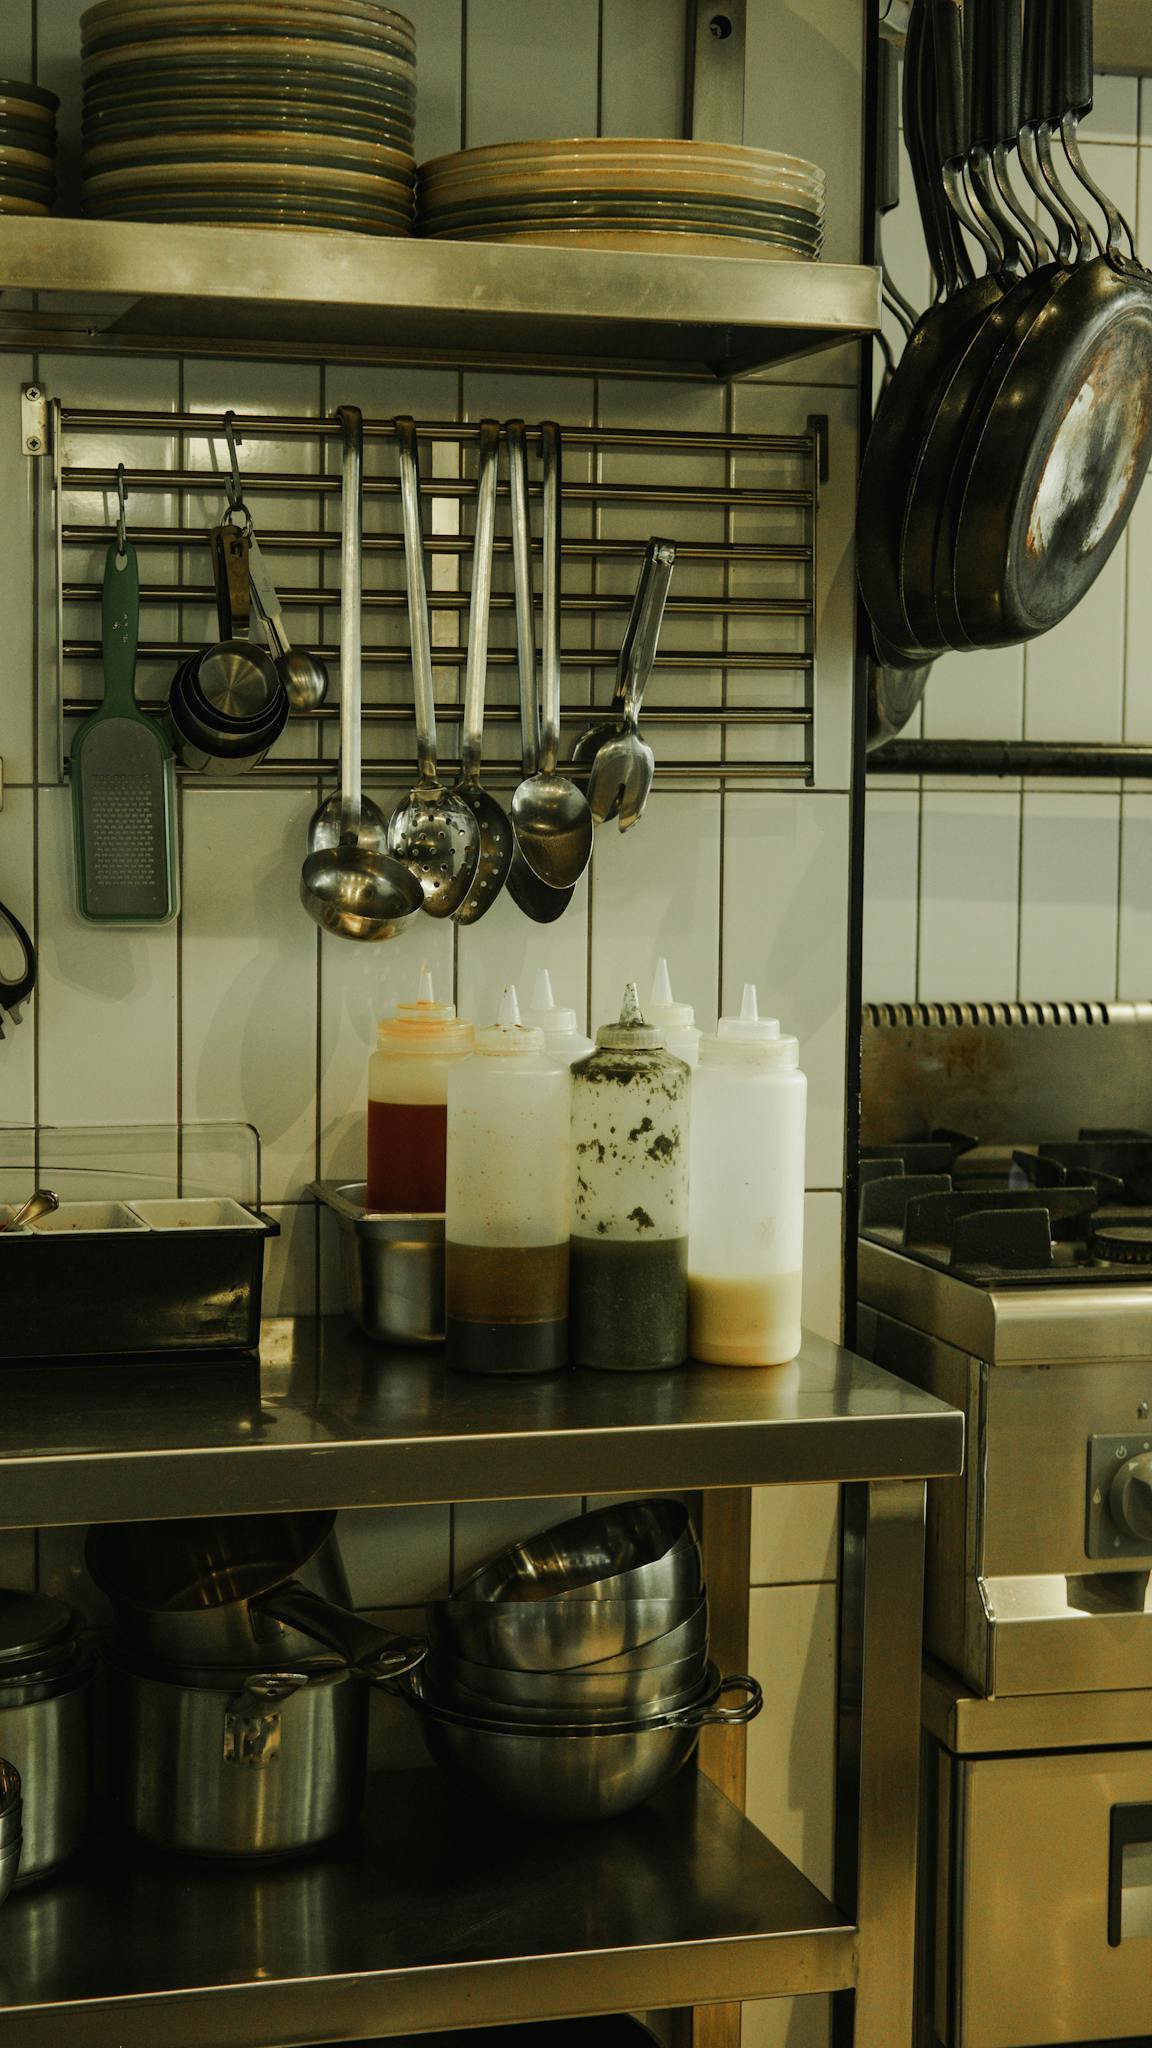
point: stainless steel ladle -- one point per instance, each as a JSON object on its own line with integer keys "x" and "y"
{"x": 432, "y": 833}
{"x": 352, "y": 888}
{"x": 496, "y": 840}
{"x": 42, "y": 1203}
{"x": 621, "y": 763}
{"x": 534, "y": 897}
{"x": 550, "y": 816}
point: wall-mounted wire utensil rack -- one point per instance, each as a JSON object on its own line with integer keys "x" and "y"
{"x": 732, "y": 696}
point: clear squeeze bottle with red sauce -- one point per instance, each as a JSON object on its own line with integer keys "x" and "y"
{"x": 407, "y": 1102}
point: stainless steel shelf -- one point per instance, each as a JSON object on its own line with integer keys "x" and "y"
{"x": 280, "y": 293}
{"x": 329, "y": 1420}
{"x": 440, "y": 1916}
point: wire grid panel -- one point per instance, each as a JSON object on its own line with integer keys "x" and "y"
{"x": 732, "y": 693}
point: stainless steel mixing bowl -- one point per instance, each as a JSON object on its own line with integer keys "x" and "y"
{"x": 478, "y": 1706}
{"x": 630, "y": 1693}
{"x": 636, "y": 1549}
{"x": 568, "y": 1634}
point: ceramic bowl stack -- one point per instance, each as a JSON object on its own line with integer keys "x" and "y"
{"x": 290, "y": 113}
{"x": 693, "y": 198}
{"x": 11, "y": 1826}
{"x": 570, "y": 1677}
{"x": 27, "y": 147}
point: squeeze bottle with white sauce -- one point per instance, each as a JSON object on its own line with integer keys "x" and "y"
{"x": 407, "y": 1096}
{"x": 746, "y": 1230}
{"x": 676, "y": 1020}
{"x": 561, "y": 1035}
{"x": 508, "y": 1202}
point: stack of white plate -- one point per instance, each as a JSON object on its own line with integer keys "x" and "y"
{"x": 702, "y": 198}
{"x": 27, "y": 147}
{"x": 293, "y": 113}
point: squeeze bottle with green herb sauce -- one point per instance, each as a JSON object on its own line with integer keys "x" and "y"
{"x": 630, "y": 1098}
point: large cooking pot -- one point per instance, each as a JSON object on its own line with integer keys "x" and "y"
{"x": 237, "y": 1591}
{"x": 46, "y": 1678}
{"x": 242, "y": 1763}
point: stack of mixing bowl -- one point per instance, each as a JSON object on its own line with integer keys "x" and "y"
{"x": 570, "y": 1677}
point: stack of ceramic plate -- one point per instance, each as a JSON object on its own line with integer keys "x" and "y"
{"x": 293, "y": 113}
{"x": 27, "y": 148}
{"x": 692, "y": 197}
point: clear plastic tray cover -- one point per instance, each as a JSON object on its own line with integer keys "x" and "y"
{"x": 126, "y": 1162}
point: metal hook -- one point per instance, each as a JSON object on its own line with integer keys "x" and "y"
{"x": 235, "y": 483}
{"x": 122, "y": 513}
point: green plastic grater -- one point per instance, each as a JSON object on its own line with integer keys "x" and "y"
{"x": 123, "y": 779}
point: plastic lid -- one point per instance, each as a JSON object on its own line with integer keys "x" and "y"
{"x": 544, "y": 1012}
{"x": 663, "y": 1010}
{"x": 631, "y": 1033}
{"x": 425, "y": 1025}
{"x": 508, "y": 1036}
{"x": 750, "y": 1033}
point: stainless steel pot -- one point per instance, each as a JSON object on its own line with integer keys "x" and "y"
{"x": 252, "y": 1763}
{"x": 10, "y": 1829}
{"x": 236, "y": 1591}
{"x": 637, "y": 1549}
{"x": 576, "y": 1773}
{"x": 46, "y": 1681}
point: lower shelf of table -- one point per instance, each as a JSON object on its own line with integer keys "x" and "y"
{"x": 442, "y": 1914}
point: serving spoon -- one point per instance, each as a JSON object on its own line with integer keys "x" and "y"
{"x": 496, "y": 841}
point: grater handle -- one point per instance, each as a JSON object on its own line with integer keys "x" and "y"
{"x": 121, "y": 627}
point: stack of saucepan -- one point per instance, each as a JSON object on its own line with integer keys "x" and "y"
{"x": 570, "y": 1678}
{"x": 1009, "y": 447}
{"x": 11, "y": 1808}
{"x": 240, "y": 1680}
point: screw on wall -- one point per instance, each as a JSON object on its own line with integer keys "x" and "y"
{"x": 714, "y": 74}
{"x": 34, "y": 437}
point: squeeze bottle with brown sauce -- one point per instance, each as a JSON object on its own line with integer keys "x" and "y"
{"x": 417, "y": 1047}
{"x": 508, "y": 1203}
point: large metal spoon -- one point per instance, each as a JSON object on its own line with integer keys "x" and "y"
{"x": 328, "y": 823}
{"x": 433, "y": 833}
{"x": 534, "y": 897}
{"x": 303, "y": 675}
{"x": 42, "y": 1203}
{"x": 622, "y": 762}
{"x": 550, "y": 816}
{"x": 351, "y": 889}
{"x": 496, "y": 841}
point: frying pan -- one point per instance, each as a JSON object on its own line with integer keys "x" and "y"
{"x": 1066, "y": 436}
{"x": 995, "y": 111}
{"x": 922, "y": 375}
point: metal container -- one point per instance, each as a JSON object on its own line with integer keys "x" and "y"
{"x": 104, "y": 1280}
{"x": 643, "y": 1549}
{"x": 10, "y": 1826}
{"x": 392, "y": 1267}
{"x": 46, "y": 1679}
{"x": 567, "y": 1635}
{"x": 550, "y": 1693}
{"x": 248, "y": 1764}
{"x": 576, "y": 1773}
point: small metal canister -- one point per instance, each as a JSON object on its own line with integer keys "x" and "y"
{"x": 392, "y": 1267}
{"x": 46, "y": 1677}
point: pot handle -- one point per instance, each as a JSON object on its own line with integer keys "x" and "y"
{"x": 375, "y": 1652}
{"x": 251, "y": 1722}
{"x": 721, "y": 1717}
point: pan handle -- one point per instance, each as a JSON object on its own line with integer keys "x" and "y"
{"x": 375, "y": 1652}
{"x": 17, "y": 991}
{"x": 1078, "y": 55}
{"x": 722, "y": 1717}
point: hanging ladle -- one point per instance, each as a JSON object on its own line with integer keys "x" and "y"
{"x": 432, "y": 833}
{"x": 550, "y": 816}
{"x": 621, "y": 763}
{"x": 496, "y": 841}
{"x": 534, "y": 897}
{"x": 352, "y": 888}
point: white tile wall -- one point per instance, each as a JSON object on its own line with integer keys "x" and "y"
{"x": 987, "y": 889}
{"x": 241, "y": 1009}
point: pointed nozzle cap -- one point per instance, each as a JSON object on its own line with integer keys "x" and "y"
{"x": 631, "y": 1030}
{"x": 553, "y": 1019}
{"x": 749, "y": 1025}
{"x": 663, "y": 1010}
{"x": 425, "y": 1022}
{"x": 426, "y": 992}
{"x": 508, "y": 1034}
{"x": 542, "y": 996}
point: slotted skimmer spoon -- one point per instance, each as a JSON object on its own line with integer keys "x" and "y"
{"x": 496, "y": 841}
{"x": 622, "y": 763}
{"x": 352, "y": 889}
{"x": 534, "y": 897}
{"x": 433, "y": 833}
{"x": 550, "y": 816}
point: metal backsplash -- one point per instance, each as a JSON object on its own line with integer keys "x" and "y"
{"x": 1006, "y": 1072}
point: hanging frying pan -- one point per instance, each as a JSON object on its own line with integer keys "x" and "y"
{"x": 1066, "y": 437}
{"x": 996, "y": 95}
{"x": 894, "y": 440}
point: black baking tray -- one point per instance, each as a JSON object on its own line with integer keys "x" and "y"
{"x": 121, "y": 1294}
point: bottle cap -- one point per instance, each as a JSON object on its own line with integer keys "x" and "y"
{"x": 508, "y": 1036}
{"x": 544, "y": 1012}
{"x": 751, "y": 1034}
{"x": 663, "y": 1010}
{"x": 425, "y": 1025}
{"x": 631, "y": 1033}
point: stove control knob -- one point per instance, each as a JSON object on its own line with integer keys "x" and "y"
{"x": 1130, "y": 1499}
